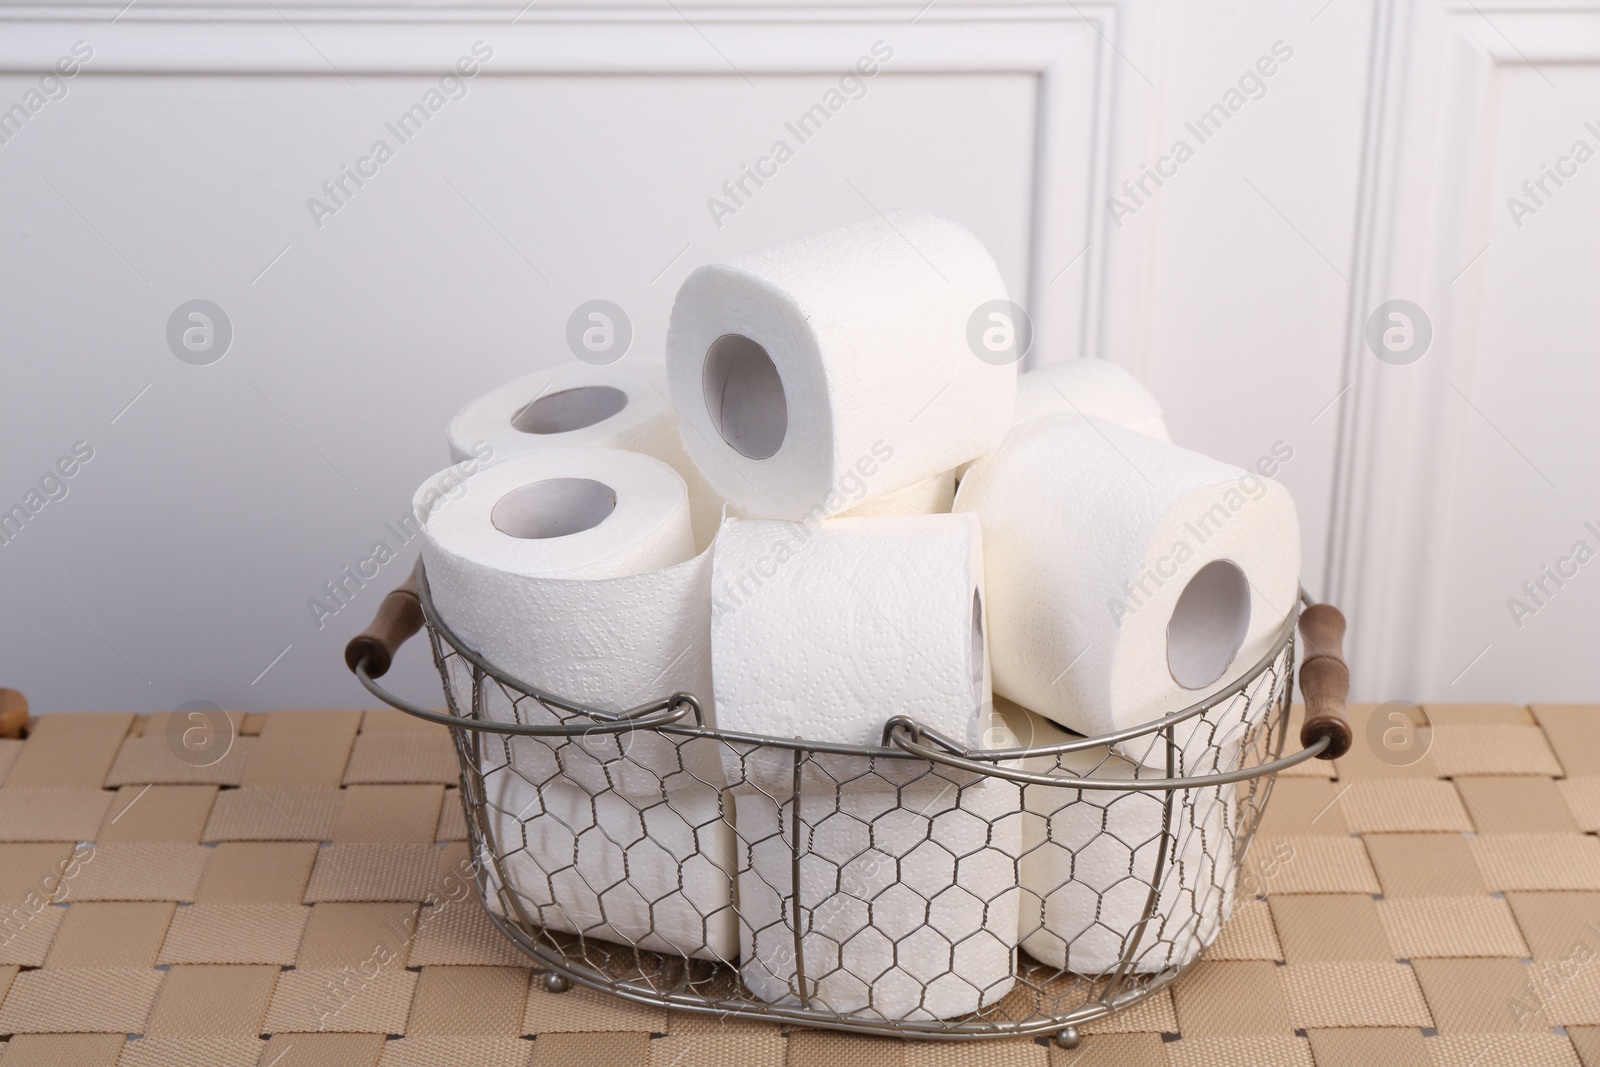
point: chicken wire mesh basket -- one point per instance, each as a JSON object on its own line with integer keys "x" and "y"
{"x": 913, "y": 888}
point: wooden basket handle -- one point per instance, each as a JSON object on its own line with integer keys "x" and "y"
{"x": 13, "y": 713}
{"x": 398, "y": 617}
{"x": 1325, "y": 680}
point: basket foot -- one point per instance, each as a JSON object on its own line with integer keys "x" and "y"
{"x": 1068, "y": 1037}
{"x": 555, "y": 983}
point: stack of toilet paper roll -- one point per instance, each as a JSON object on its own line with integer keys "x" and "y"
{"x": 771, "y": 522}
{"x": 578, "y": 405}
{"x": 576, "y": 572}
{"x": 815, "y": 634}
{"x": 830, "y": 376}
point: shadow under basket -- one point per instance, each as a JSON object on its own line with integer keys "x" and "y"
{"x": 915, "y": 888}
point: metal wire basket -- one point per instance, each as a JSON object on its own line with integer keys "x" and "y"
{"x": 916, "y": 888}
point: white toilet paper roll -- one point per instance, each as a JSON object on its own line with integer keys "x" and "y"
{"x": 931, "y": 496}
{"x": 824, "y": 632}
{"x": 1093, "y": 387}
{"x": 577, "y": 405}
{"x": 1128, "y": 578}
{"x": 1089, "y": 859}
{"x": 839, "y": 359}
{"x": 648, "y": 875}
{"x": 903, "y": 903}
{"x": 575, "y": 572}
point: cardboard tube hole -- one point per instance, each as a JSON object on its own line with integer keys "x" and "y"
{"x": 1208, "y": 624}
{"x": 570, "y": 409}
{"x": 745, "y": 396}
{"x": 555, "y": 507}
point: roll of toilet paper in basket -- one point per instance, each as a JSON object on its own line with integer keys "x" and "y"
{"x": 907, "y": 904}
{"x": 1128, "y": 578}
{"x": 1095, "y": 388}
{"x": 576, "y": 405}
{"x": 822, "y": 633}
{"x": 838, "y": 361}
{"x": 575, "y": 572}
{"x": 655, "y": 876}
{"x": 1092, "y": 387}
{"x": 1090, "y": 858}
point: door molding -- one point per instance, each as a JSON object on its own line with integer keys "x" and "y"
{"x": 1425, "y": 222}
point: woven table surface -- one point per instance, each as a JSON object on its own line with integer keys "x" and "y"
{"x": 301, "y": 902}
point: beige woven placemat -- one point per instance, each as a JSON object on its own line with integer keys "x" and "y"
{"x": 269, "y": 909}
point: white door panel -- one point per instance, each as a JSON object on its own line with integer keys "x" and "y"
{"x": 1473, "y": 467}
{"x": 1515, "y": 587}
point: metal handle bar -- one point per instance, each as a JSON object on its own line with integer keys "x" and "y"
{"x": 1324, "y": 676}
{"x": 661, "y": 713}
{"x": 903, "y": 732}
{"x": 1326, "y": 733}
{"x": 401, "y": 614}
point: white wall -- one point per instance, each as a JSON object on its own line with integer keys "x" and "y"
{"x": 578, "y": 165}
{"x": 1471, "y": 469}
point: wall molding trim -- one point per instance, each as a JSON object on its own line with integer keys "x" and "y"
{"x": 1427, "y": 225}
